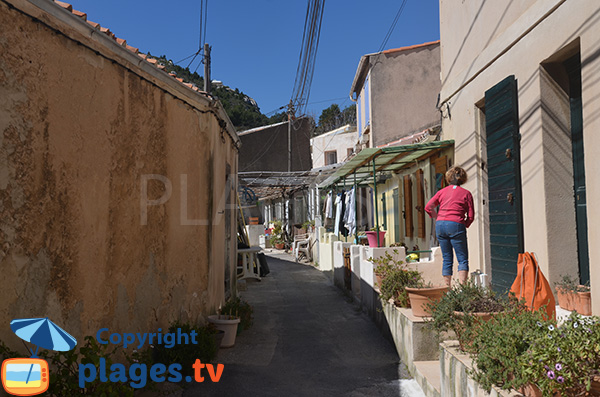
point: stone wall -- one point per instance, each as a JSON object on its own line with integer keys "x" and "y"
{"x": 113, "y": 182}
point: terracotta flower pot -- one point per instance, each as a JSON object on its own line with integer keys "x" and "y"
{"x": 372, "y": 238}
{"x": 280, "y": 246}
{"x": 563, "y": 298}
{"x": 584, "y": 303}
{"x": 420, "y": 297}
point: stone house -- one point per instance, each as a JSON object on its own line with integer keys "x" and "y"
{"x": 520, "y": 99}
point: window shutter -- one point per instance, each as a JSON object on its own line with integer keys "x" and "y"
{"x": 408, "y": 214}
{"x": 420, "y": 203}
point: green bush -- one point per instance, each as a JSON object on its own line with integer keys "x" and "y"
{"x": 395, "y": 276}
{"x": 64, "y": 369}
{"x": 500, "y": 343}
{"x": 239, "y": 308}
{"x": 467, "y": 299}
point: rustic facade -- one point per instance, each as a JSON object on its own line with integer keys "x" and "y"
{"x": 115, "y": 181}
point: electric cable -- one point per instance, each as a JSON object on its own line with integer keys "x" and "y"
{"x": 392, "y": 27}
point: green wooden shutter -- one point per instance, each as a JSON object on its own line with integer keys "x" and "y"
{"x": 504, "y": 181}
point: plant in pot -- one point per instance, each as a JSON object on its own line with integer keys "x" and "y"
{"x": 228, "y": 323}
{"x": 462, "y": 309}
{"x": 241, "y": 309}
{"x": 372, "y": 237}
{"x": 566, "y": 291}
{"x": 499, "y": 344}
{"x": 583, "y": 302}
{"x": 422, "y": 294}
{"x": 277, "y": 242}
{"x": 565, "y": 359}
{"x": 393, "y": 277}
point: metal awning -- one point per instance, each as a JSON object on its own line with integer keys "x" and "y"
{"x": 381, "y": 161}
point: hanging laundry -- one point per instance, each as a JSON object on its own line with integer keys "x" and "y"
{"x": 338, "y": 213}
{"x": 351, "y": 212}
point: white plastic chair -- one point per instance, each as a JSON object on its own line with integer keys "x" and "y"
{"x": 303, "y": 247}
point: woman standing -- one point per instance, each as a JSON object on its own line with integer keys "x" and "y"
{"x": 454, "y": 216}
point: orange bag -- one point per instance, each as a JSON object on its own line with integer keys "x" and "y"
{"x": 533, "y": 286}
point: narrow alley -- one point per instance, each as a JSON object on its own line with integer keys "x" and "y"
{"x": 308, "y": 339}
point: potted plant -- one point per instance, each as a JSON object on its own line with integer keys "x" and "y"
{"x": 583, "y": 303}
{"x": 241, "y": 309}
{"x": 372, "y": 237}
{"x": 565, "y": 359}
{"x": 392, "y": 277}
{"x": 498, "y": 347}
{"x": 309, "y": 226}
{"x": 462, "y": 309}
{"x": 422, "y": 294}
{"x": 566, "y": 291}
{"x": 277, "y": 242}
{"x": 228, "y": 323}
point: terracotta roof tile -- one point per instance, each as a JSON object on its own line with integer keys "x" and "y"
{"x": 123, "y": 43}
{"x": 412, "y": 47}
{"x": 66, "y": 6}
{"x": 80, "y": 14}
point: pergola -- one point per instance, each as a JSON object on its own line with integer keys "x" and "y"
{"x": 372, "y": 164}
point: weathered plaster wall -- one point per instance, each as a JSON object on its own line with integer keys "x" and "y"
{"x": 77, "y": 133}
{"x": 266, "y": 148}
{"x": 404, "y": 89}
{"x": 542, "y": 30}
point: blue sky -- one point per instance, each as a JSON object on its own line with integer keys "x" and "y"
{"x": 256, "y": 43}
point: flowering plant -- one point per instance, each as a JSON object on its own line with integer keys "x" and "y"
{"x": 565, "y": 357}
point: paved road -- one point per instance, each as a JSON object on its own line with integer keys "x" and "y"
{"x": 307, "y": 340}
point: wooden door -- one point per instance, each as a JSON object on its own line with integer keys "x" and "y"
{"x": 504, "y": 181}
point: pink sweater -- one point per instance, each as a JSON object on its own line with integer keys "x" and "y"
{"x": 455, "y": 203}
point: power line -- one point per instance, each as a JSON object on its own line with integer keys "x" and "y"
{"x": 389, "y": 33}
{"x": 308, "y": 53}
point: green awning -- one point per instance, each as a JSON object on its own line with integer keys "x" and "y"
{"x": 387, "y": 161}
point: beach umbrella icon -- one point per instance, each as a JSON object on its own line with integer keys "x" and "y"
{"x": 42, "y": 333}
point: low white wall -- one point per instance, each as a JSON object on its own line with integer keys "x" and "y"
{"x": 254, "y": 232}
{"x": 326, "y": 241}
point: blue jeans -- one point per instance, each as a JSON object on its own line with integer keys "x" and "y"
{"x": 452, "y": 235}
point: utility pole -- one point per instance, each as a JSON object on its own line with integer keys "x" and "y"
{"x": 206, "y": 68}
{"x": 290, "y": 117}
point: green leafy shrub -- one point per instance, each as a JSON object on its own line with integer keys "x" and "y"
{"x": 64, "y": 369}
{"x": 395, "y": 276}
{"x": 499, "y": 344}
{"x": 242, "y": 309}
{"x": 564, "y": 358}
{"x": 456, "y": 311}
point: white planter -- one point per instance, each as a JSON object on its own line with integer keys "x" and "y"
{"x": 227, "y": 323}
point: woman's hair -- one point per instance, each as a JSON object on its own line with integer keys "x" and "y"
{"x": 456, "y": 176}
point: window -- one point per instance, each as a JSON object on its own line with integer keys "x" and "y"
{"x": 330, "y": 157}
